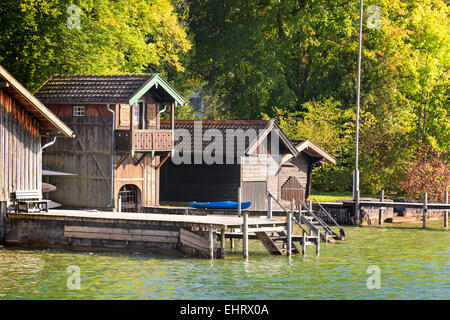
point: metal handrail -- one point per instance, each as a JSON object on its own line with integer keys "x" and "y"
{"x": 341, "y": 230}
{"x": 324, "y": 225}
{"x": 281, "y": 206}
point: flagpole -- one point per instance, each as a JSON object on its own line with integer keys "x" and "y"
{"x": 356, "y": 172}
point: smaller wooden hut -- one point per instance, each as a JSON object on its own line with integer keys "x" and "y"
{"x": 24, "y": 120}
{"x": 285, "y": 172}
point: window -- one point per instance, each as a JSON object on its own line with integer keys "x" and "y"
{"x": 79, "y": 111}
{"x": 135, "y": 113}
{"x": 138, "y": 111}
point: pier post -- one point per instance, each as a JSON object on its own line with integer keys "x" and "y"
{"x": 289, "y": 228}
{"x": 3, "y": 209}
{"x": 446, "y": 211}
{"x": 239, "y": 202}
{"x": 269, "y": 206}
{"x": 303, "y": 243}
{"x": 222, "y": 243}
{"x": 318, "y": 243}
{"x": 300, "y": 212}
{"x": 381, "y": 211}
{"x": 425, "y": 209}
{"x": 211, "y": 242}
{"x": 245, "y": 236}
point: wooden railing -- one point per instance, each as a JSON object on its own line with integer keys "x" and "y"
{"x": 144, "y": 140}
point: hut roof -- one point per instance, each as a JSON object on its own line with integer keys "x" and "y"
{"x": 103, "y": 89}
{"x": 46, "y": 119}
{"x": 311, "y": 149}
{"x": 240, "y": 128}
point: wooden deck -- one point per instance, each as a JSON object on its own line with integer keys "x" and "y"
{"x": 194, "y": 235}
{"x": 216, "y": 222}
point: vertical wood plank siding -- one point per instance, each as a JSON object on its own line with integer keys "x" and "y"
{"x": 88, "y": 155}
{"x": 20, "y": 145}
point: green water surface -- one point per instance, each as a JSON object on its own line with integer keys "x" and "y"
{"x": 413, "y": 264}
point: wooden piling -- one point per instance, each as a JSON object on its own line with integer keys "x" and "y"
{"x": 318, "y": 243}
{"x": 425, "y": 209}
{"x": 222, "y": 243}
{"x": 303, "y": 243}
{"x": 381, "y": 210}
{"x": 3, "y": 208}
{"x": 245, "y": 235}
{"x": 300, "y": 211}
{"x": 446, "y": 211}
{"x": 239, "y": 202}
{"x": 211, "y": 241}
{"x": 289, "y": 228}
{"x": 269, "y": 206}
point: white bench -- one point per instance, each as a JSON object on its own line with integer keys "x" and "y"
{"x": 31, "y": 199}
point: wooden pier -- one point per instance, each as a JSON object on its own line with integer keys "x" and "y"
{"x": 202, "y": 236}
{"x": 194, "y": 235}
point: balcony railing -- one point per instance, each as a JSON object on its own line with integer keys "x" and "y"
{"x": 144, "y": 140}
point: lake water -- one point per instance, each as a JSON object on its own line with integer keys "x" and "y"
{"x": 413, "y": 264}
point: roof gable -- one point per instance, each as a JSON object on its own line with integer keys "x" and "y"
{"x": 102, "y": 89}
{"x": 45, "y": 117}
{"x": 261, "y": 127}
{"x": 312, "y": 150}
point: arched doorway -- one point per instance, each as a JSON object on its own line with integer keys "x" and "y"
{"x": 292, "y": 189}
{"x": 129, "y": 195}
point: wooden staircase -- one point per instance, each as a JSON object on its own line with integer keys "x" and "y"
{"x": 315, "y": 224}
{"x": 276, "y": 239}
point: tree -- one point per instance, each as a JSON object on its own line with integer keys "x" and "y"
{"x": 427, "y": 173}
{"x": 277, "y": 58}
{"x": 39, "y": 39}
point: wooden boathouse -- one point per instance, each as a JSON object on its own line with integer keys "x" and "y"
{"x": 119, "y": 145}
{"x": 24, "y": 120}
{"x": 285, "y": 174}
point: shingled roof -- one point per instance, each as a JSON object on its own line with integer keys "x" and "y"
{"x": 47, "y": 120}
{"x": 101, "y": 89}
{"x": 261, "y": 127}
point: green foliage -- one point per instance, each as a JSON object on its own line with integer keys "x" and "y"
{"x": 295, "y": 61}
{"x": 132, "y": 36}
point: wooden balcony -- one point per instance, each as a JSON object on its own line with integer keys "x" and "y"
{"x": 143, "y": 140}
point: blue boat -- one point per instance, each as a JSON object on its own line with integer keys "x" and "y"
{"x": 219, "y": 205}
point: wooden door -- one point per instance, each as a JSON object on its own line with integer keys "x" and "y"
{"x": 255, "y": 191}
{"x": 292, "y": 189}
{"x": 129, "y": 197}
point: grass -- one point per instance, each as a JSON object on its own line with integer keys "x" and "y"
{"x": 333, "y": 196}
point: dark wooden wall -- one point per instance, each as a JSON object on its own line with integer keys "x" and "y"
{"x": 301, "y": 168}
{"x": 199, "y": 182}
{"x": 88, "y": 155}
{"x": 20, "y": 144}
